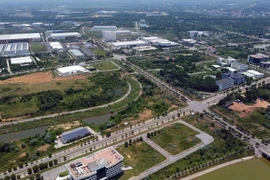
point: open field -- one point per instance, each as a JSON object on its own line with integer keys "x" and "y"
{"x": 40, "y": 77}
{"x": 244, "y": 110}
{"x": 98, "y": 51}
{"x": 108, "y": 65}
{"x": 140, "y": 156}
{"x": 38, "y": 48}
{"x": 28, "y": 99}
{"x": 176, "y": 138}
{"x": 248, "y": 170}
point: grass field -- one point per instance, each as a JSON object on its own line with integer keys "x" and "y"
{"x": 248, "y": 170}
{"x": 38, "y": 48}
{"x": 98, "y": 51}
{"x": 108, "y": 65}
{"x": 140, "y": 156}
{"x": 176, "y": 138}
{"x": 76, "y": 116}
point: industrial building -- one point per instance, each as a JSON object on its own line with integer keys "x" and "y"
{"x": 13, "y": 38}
{"x": 239, "y": 66}
{"x": 144, "y": 48}
{"x": 76, "y": 53}
{"x": 224, "y": 84}
{"x": 257, "y": 58}
{"x": 104, "y": 164}
{"x": 71, "y": 70}
{"x": 156, "y": 41}
{"x": 14, "y": 49}
{"x": 114, "y": 35}
{"x": 237, "y": 78}
{"x": 64, "y": 36}
{"x": 198, "y": 34}
{"x": 56, "y": 46}
{"x": 104, "y": 28}
{"x": 128, "y": 44}
{"x": 74, "y": 134}
{"x": 22, "y": 61}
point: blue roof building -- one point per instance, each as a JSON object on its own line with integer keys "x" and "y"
{"x": 237, "y": 78}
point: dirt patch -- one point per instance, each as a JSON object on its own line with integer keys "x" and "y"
{"x": 173, "y": 107}
{"x": 67, "y": 126}
{"x": 128, "y": 156}
{"x": 40, "y": 77}
{"x": 22, "y": 155}
{"x": 146, "y": 114}
{"x": 44, "y": 148}
{"x": 246, "y": 110}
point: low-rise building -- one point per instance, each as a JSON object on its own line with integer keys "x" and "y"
{"x": 22, "y": 61}
{"x": 56, "y": 46}
{"x": 265, "y": 65}
{"x": 239, "y": 66}
{"x": 257, "y": 58}
{"x": 76, "y": 53}
{"x": 226, "y": 61}
{"x": 256, "y": 74}
{"x": 128, "y": 44}
{"x": 224, "y": 84}
{"x": 71, "y": 70}
{"x": 237, "y": 78}
{"x": 104, "y": 164}
{"x": 64, "y": 36}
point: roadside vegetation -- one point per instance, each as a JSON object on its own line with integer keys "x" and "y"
{"x": 225, "y": 148}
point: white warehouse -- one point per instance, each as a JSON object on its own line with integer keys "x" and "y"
{"x": 71, "y": 70}
{"x": 104, "y": 28}
{"x": 63, "y": 36}
{"x": 128, "y": 44}
{"x": 23, "y": 61}
{"x": 56, "y": 46}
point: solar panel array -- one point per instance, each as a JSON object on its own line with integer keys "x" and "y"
{"x": 75, "y": 134}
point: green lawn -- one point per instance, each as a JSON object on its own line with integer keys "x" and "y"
{"x": 140, "y": 156}
{"x": 38, "y": 48}
{"x": 176, "y": 138}
{"x": 108, "y": 65}
{"x": 248, "y": 170}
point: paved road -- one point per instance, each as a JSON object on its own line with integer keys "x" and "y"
{"x": 205, "y": 138}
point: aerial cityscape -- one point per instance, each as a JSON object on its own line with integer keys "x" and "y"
{"x": 134, "y": 90}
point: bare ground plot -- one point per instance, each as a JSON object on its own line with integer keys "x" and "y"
{"x": 244, "y": 110}
{"x": 108, "y": 65}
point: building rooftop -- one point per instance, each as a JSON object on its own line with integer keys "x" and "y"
{"x": 88, "y": 165}
{"x": 76, "y": 52}
{"x": 70, "y": 69}
{"x": 19, "y": 36}
{"x": 254, "y": 72}
{"x": 129, "y": 43}
{"x": 21, "y": 60}
{"x": 259, "y": 55}
{"x": 56, "y": 45}
{"x": 67, "y": 34}
{"x": 75, "y": 133}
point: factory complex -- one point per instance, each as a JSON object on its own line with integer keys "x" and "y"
{"x": 71, "y": 70}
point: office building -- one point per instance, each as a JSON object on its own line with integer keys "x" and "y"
{"x": 224, "y": 84}
{"x": 237, "y": 78}
{"x": 265, "y": 65}
{"x": 104, "y": 164}
{"x": 257, "y": 58}
{"x": 226, "y": 61}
